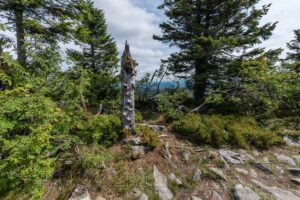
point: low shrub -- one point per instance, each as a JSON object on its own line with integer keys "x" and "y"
{"x": 149, "y": 137}
{"x": 217, "y": 130}
{"x": 104, "y": 129}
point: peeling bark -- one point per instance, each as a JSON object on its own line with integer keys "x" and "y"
{"x": 128, "y": 74}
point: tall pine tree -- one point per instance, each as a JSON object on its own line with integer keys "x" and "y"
{"x": 45, "y": 19}
{"x": 98, "y": 52}
{"x": 294, "y": 47}
{"x": 209, "y": 34}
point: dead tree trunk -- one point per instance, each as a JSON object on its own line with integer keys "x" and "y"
{"x": 127, "y": 77}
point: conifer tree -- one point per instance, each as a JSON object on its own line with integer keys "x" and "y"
{"x": 209, "y": 34}
{"x": 46, "y": 19}
{"x": 294, "y": 47}
{"x": 98, "y": 52}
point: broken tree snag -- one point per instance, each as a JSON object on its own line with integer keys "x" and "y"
{"x": 127, "y": 77}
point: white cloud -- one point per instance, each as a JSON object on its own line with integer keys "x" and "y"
{"x": 286, "y": 12}
{"x": 127, "y": 21}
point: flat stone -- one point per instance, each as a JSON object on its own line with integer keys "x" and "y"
{"x": 276, "y": 193}
{"x": 174, "y": 179}
{"x": 242, "y": 171}
{"x": 255, "y": 152}
{"x": 294, "y": 171}
{"x": 198, "y": 175}
{"x": 138, "y": 152}
{"x": 154, "y": 127}
{"x": 297, "y": 158}
{"x": 196, "y": 198}
{"x": 296, "y": 181}
{"x": 166, "y": 152}
{"x": 80, "y": 193}
{"x": 263, "y": 168}
{"x": 161, "y": 185}
{"x": 291, "y": 141}
{"x": 212, "y": 154}
{"x": 219, "y": 173}
{"x": 100, "y": 198}
{"x": 285, "y": 159}
{"x": 241, "y": 192}
{"x": 216, "y": 196}
{"x": 266, "y": 160}
{"x": 185, "y": 156}
{"x": 279, "y": 169}
{"x": 137, "y": 194}
{"x": 133, "y": 141}
{"x": 253, "y": 174}
{"x": 232, "y": 157}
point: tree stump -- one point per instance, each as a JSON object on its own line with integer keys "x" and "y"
{"x": 128, "y": 74}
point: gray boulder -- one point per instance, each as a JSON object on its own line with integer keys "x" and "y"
{"x": 232, "y": 157}
{"x": 138, "y": 152}
{"x": 161, "y": 185}
{"x": 276, "y": 193}
{"x": 285, "y": 159}
{"x": 79, "y": 193}
{"x": 174, "y": 179}
{"x": 198, "y": 175}
{"x": 137, "y": 194}
{"x": 241, "y": 192}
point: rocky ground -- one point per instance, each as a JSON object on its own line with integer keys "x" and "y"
{"x": 180, "y": 170}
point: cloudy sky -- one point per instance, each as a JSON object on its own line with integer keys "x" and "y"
{"x": 137, "y": 20}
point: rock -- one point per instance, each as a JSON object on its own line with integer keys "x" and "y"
{"x": 241, "y": 192}
{"x": 219, "y": 173}
{"x": 196, "y": 198}
{"x": 279, "y": 169}
{"x": 198, "y": 175}
{"x": 253, "y": 174}
{"x": 266, "y": 160}
{"x": 185, "y": 156}
{"x": 296, "y": 181}
{"x": 291, "y": 141}
{"x": 174, "y": 179}
{"x": 138, "y": 152}
{"x": 263, "y": 168}
{"x": 212, "y": 154}
{"x": 297, "y": 158}
{"x": 154, "y": 127}
{"x": 215, "y": 196}
{"x": 79, "y": 193}
{"x": 111, "y": 171}
{"x": 247, "y": 156}
{"x": 255, "y": 152}
{"x": 133, "y": 141}
{"x": 276, "y": 193}
{"x": 285, "y": 159}
{"x": 161, "y": 185}
{"x": 232, "y": 157}
{"x": 242, "y": 171}
{"x": 137, "y": 194}
{"x": 166, "y": 153}
{"x": 294, "y": 171}
{"x": 100, "y": 198}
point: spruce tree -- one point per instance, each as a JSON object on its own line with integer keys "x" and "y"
{"x": 294, "y": 47}
{"x": 209, "y": 34}
{"x": 46, "y": 20}
{"x": 98, "y": 52}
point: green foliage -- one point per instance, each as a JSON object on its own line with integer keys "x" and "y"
{"x": 138, "y": 117}
{"x": 28, "y": 122}
{"x": 206, "y": 42}
{"x": 104, "y": 129}
{"x": 149, "y": 137}
{"x": 217, "y": 130}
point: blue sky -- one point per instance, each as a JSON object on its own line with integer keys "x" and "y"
{"x": 137, "y": 20}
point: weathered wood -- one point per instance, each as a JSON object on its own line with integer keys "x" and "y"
{"x": 127, "y": 77}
